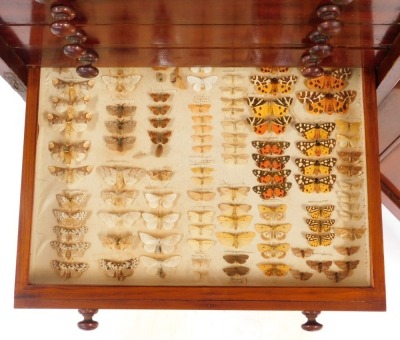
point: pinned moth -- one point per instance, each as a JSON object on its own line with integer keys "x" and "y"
{"x": 69, "y": 270}
{"x": 67, "y": 153}
{"x": 119, "y": 270}
{"x": 70, "y": 175}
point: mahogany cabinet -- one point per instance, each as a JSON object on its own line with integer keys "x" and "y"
{"x": 201, "y": 188}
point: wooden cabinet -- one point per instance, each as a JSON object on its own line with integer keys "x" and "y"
{"x": 204, "y": 104}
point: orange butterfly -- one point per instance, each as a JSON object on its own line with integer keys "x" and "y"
{"x": 334, "y": 80}
{"x": 270, "y": 148}
{"x": 271, "y": 177}
{"x": 319, "y": 102}
{"x": 315, "y": 166}
{"x": 317, "y": 147}
{"x": 160, "y": 97}
{"x": 274, "y": 69}
{"x": 270, "y": 163}
{"x": 315, "y": 184}
{"x": 159, "y": 109}
{"x": 159, "y": 122}
{"x": 262, "y": 107}
{"x": 267, "y": 192}
{"x": 261, "y": 125}
{"x": 315, "y": 131}
{"x": 159, "y": 138}
{"x": 282, "y": 85}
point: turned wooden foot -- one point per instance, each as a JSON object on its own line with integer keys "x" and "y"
{"x": 311, "y": 324}
{"x": 88, "y": 324}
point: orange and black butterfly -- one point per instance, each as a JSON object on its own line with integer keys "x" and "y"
{"x": 274, "y": 86}
{"x": 270, "y": 148}
{"x": 260, "y": 125}
{"x": 271, "y": 177}
{"x": 274, "y": 69}
{"x": 270, "y": 163}
{"x": 319, "y": 102}
{"x": 316, "y": 240}
{"x": 315, "y": 184}
{"x": 262, "y": 107}
{"x": 315, "y": 166}
{"x": 319, "y": 226}
{"x": 334, "y": 80}
{"x": 267, "y": 192}
{"x": 317, "y": 147}
{"x": 315, "y": 131}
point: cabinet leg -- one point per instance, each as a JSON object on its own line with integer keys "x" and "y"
{"x": 311, "y": 324}
{"x": 88, "y": 324}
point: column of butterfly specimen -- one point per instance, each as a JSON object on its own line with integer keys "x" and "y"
{"x": 121, "y": 127}
{"x": 235, "y": 218}
{"x": 271, "y": 106}
{"x": 159, "y": 137}
{"x": 71, "y": 122}
{"x": 234, "y": 127}
{"x": 352, "y": 223}
{"x": 273, "y": 231}
{"x": 233, "y": 222}
{"x": 202, "y": 128}
{"x": 157, "y": 240}
{"x": 119, "y": 219}
{"x": 201, "y": 225}
{"x": 156, "y": 235}
{"x": 270, "y": 118}
{"x": 70, "y": 232}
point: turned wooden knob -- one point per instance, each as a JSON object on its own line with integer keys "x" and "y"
{"x": 318, "y": 37}
{"x": 74, "y": 51}
{"x": 312, "y": 71}
{"x": 88, "y": 324}
{"x": 311, "y": 324}
{"x": 62, "y": 12}
{"x": 62, "y": 28}
{"x": 330, "y": 27}
{"x": 78, "y": 37}
{"x": 87, "y": 71}
{"x": 90, "y": 57}
{"x": 321, "y": 50}
{"x": 328, "y": 12}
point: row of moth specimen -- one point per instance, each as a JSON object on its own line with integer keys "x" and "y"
{"x": 69, "y": 150}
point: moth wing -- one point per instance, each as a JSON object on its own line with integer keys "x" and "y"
{"x": 168, "y": 221}
{"x": 149, "y": 242}
{"x": 168, "y": 243}
{"x": 109, "y": 174}
{"x": 151, "y": 220}
{"x": 152, "y": 199}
